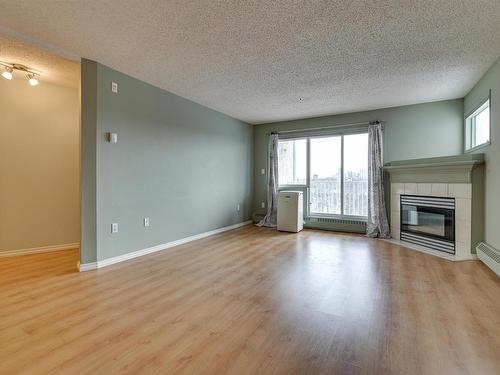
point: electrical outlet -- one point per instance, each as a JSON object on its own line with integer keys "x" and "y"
{"x": 146, "y": 221}
{"x": 263, "y": 204}
{"x": 114, "y": 228}
{"x": 238, "y": 207}
{"x": 114, "y": 87}
{"x": 262, "y": 171}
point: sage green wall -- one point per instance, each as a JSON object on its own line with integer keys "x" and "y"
{"x": 88, "y": 156}
{"x": 490, "y": 81}
{"x": 410, "y": 132}
{"x": 184, "y": 166}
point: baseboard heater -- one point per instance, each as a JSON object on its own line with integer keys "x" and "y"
{"x": 489, "y": 256}
{"x": 314, "y": 219}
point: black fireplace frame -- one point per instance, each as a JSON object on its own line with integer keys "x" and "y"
{"x": 450, "y": 222}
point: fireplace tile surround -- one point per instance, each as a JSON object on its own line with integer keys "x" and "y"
{"x": 459, "y": 177}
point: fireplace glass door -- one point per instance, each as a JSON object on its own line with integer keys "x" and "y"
{"x": 429, "y": 221}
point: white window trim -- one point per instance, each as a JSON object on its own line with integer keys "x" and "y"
{"x": 307, "y": 185}
{"x": 478, "y": 109}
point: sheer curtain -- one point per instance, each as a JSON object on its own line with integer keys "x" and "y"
{"x": 377, "y": 224}
{"x": 272, "y": 184}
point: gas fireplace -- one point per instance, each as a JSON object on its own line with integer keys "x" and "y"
{"x": 428, "y": 221}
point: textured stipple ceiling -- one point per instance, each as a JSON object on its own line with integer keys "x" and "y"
{"x": 52, "y": 68}
{"x": 254, "y": 59}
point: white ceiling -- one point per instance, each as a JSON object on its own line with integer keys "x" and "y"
{"x": 52, "y": 68}
{"x": 254, "y": 59}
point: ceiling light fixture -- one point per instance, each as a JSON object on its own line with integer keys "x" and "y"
{"x": 30, "y": 73}
{"x": 32, "y": 80}
{"x": 7, "y": 74}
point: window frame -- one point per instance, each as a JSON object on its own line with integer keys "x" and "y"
{"x": 471, "y": 116}
{"x": 307, "y": 186}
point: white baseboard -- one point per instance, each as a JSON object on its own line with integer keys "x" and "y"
{"x": 37, "y": 250}
{"x": 153, "y": 249}
{"x": 87, "y": 266}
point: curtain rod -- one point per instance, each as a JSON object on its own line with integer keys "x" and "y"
{"x": 326, "y": 127}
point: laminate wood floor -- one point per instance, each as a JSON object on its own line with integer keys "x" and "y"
{"x": 252, "y": 301}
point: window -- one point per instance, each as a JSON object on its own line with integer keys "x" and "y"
{"x": 292, "y": 159}
{"x": 326, "y": 167}
{"x": 477, "y": 127}
{"x": 336, "y": 172}
{"x": 356, "y": 174}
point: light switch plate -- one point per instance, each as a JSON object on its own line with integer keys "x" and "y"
{"x": 114, "y": 228}
{"x": 263, "y": 204}
{"x": 112, "y": 137}
{"x": 114, "y": 87}
{"x": 146, "y": 221}
{"x": 262, "y": 171}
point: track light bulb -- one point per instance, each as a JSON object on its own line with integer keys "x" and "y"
{"x": 7, "y": 74}
{"x": 32, "y": 80}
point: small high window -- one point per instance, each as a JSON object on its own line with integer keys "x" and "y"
{"x": 477, "y": 127}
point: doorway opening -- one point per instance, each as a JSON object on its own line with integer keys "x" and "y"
{"x": 39, "y": 154}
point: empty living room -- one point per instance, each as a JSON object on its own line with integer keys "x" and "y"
{"x": 250, "y": 187}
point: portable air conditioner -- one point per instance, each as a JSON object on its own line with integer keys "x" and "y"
{"x": 290, "y": 211}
